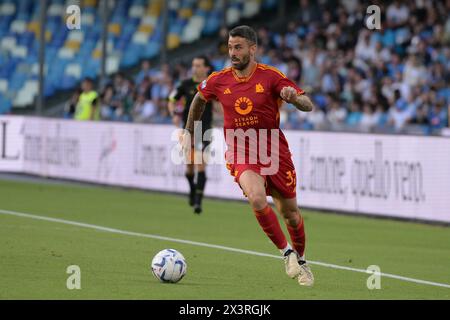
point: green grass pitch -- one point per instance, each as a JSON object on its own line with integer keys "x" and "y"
{"x": 34, "y": 254}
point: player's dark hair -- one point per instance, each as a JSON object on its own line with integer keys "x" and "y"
{"x": 245, "y": 32}
{"x": 206, "y": 61}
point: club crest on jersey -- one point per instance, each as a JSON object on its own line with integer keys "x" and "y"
{"x": 227, "y": 91}
{"x": 259, "y": 88}
{"x": 203, "y": 85}
{"x": 243, "y": 106}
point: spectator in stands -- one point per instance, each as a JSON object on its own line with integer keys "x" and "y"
{"x": 308, "y": 12}
{"x": 264, "y": 39}
{"x": 387, "y": 88}
{"x": 369, "y": 119}
{"x": 161, "y": 90}
{"x": 446, "y": 35}
{"x": 180, "y": 71}
{"x": 415, "y": 72}
{"x": 381, "y": 54}
{"x": 421, "y": 116}
{"x": 311, "y": 70}
{"x": 287, "y": 116}
{"x": 330, "y": 81}
{"x": 381, "y": 115}
{"x": 395, "y": 65}
{"x": 316, "y": 118}
{"x": 397, "y": 13}
{"x": 399, "y": 113}
{"x": 279, "y": 64}
{"x": 437, "y": 76}
{"x": 448, "y": 115}
{"x": 123, "y": 113}
{"x": 354, "y": 117}
{"x": 438, "y": 116}
{"x": 336, "y": 114}
{"x": 144, "y": 87}
{"x": 365, "y": 48}
{"x": 162, "y": 74}
{"x": 87, "y": 106}
{"x": 294, "y": 70}
{"x": 70, "y": 106}
{"x": 123, "y": 99}
{"x": 222, "y": 47}
{"x": 145, "y": 72}
{"x": 163, "y": 115}
{"x": 120, "y": 86}
{"x": 291, "y": 38}
{"x": 298, "y": 120}
{"x": 402, "y": 86}
{"x": 360, "y": 79}
{"x": 106, "y": 103}
{"x": 144, "y": 110}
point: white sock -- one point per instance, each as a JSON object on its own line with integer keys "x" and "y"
{"x": 288, "y": 247}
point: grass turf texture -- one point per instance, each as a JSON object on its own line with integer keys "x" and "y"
{"x": 34, "y": 254}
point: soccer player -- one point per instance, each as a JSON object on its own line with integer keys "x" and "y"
{"x": 251, "y": 94}
{"x": 187, "y": 89}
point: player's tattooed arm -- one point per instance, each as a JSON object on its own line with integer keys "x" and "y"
{"x": 303, "y": 103}
{"x": 300, "y": 101}
{"x": 195, "y": 112}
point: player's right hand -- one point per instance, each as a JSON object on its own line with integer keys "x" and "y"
{"x": 288, "y": 94}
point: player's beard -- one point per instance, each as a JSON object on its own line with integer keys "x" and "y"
{"x": 242, "y": 63}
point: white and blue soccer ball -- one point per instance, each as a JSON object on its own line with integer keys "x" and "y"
{"x": 169, "y": 265}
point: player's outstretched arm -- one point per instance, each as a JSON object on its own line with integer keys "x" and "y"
{"x": 300, "y": 101}
{"x": 195, "y": 112}
{"x": 303, "y": 103}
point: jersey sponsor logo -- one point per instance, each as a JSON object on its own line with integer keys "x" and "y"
{"x": 243, "y": 106}
{"x": 259, "y": 88}
{"x": 227, "y": 91}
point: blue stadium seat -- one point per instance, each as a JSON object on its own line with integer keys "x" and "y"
{"x": 5, "y": 105}
{"x": 17, "y": 81}
{"x": 151, "y": 49}
{"x": 49, "y": 89}
{"x": 68, "y": 82}
{"x": 212, "y": 24}
{"x": 122, "y": 39}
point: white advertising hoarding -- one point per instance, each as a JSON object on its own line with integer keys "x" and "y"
{"x": 11, "y": 143}
{"x": 399, "y": 176}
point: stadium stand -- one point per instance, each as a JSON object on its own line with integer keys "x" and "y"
{"x": 134, "y": 33}
{"x": 393, "y": 80}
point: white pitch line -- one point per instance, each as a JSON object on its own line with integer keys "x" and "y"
{"x": 208, "y": 245}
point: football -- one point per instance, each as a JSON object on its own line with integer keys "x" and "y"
{"x": 169, "y": 265}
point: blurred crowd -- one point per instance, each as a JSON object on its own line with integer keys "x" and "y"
{"x": 393, "y": 80}
{"x": 140, "y": 99}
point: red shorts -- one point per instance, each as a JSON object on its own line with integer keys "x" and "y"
{"x": 284, "y": 181}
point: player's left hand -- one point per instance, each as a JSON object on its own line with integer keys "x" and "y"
{"x": 288, "y": 94}
{"x": 186, "y": 141}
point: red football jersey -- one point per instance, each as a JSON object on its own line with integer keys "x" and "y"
{"x": 248, "y": 103}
